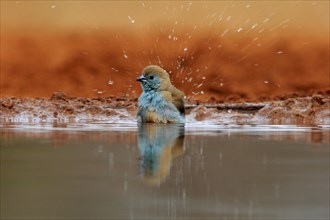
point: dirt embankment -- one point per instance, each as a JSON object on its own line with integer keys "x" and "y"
{"x": 204, "y": 64}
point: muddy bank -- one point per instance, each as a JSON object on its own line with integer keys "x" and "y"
{"x": 310, "y": 110}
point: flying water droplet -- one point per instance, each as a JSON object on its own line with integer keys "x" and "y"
{"x": 267, "y": 19}
{"x": 131, "y": 19}
{"x": 224, "y": 32}
{"x": 114, "y": 69}
{"x": 261, "y": 30}
{"x": 125, "y": 55}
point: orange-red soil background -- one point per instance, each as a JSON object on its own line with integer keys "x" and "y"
{"x": 220, "y": 61}
{"x": 107, "y": 63}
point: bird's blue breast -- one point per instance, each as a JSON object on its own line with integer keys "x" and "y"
{"x": 153, "y": 107}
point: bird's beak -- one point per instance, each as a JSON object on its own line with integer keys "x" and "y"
{"x": 141, "y": 78}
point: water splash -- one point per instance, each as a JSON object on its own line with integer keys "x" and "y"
{"x": 131, "y": 19}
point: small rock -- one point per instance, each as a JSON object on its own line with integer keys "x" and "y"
{"x": 59, "y": 96}
{"x": 201, "y": 113}
{"x": 8, "y": 103}
{"x": 317, "y": 100}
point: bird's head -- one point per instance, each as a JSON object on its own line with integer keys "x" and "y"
{"x": 154, "y": 78}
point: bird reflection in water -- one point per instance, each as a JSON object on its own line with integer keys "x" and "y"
{"x": 158, "y": 145}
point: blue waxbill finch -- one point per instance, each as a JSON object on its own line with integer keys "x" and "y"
{"x": 160, "y": 101}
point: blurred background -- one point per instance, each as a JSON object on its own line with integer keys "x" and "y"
{"x": 222, "y": 50}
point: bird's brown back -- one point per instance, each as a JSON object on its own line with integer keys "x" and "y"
{"x": 177, "y": 99}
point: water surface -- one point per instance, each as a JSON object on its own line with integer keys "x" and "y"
{"x": 164, "y": 172}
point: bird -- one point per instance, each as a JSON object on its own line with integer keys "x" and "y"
{"x": 160, "y": 101}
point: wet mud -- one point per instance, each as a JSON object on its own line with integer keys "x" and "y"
{"x": 311, "y": 110}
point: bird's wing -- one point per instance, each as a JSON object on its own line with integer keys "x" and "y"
{"x": 177, "y": 99}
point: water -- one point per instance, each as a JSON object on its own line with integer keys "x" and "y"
{"x": 103, "y": 171}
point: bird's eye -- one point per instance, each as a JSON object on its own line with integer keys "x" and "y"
{"x": 151, "y": 77}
